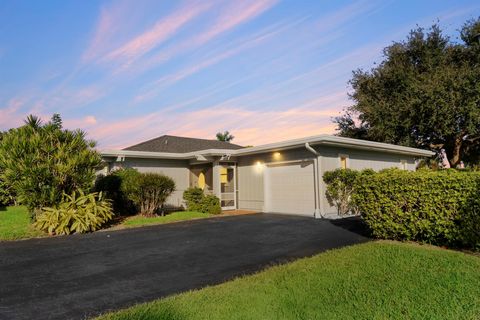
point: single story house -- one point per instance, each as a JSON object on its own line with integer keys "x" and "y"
{"x": 282, "y": 177}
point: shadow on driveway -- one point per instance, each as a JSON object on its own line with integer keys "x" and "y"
{"x": 80, "y": 276}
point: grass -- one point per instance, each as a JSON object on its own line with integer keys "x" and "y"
{"x": 376, "y": 280}
{"x": 15, "y": 224}
{"x": 138, "y": 221}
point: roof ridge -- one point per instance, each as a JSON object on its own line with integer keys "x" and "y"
{"x": 176, "y": 140}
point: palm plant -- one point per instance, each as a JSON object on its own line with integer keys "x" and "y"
{"x": 225, "y": 136}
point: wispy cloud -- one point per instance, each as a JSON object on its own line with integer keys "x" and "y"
{"x": 9, "y": 114}
{"x": 251, "y": 126}
{"x": 347, "y": 14}
{"x": 238, "y": 46}
{"x": 162, "y": 30}
{"x": 234, "y": 14}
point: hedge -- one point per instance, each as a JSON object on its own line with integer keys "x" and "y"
{"x": 437, "y": 207}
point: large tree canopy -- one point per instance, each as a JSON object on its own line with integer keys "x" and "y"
{"x": 425, "y": 93}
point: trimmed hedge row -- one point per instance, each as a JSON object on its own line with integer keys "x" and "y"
{"x": 437, "y": 207}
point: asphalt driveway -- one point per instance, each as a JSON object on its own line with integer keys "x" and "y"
{"x": 80, "y": 276}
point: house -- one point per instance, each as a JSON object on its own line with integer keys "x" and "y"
{"x": 282, "y": 177}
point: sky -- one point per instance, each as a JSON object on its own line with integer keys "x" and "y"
{"x": 266, "y": 70}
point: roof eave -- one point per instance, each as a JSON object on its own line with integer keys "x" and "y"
{"x": 164, "y": 155}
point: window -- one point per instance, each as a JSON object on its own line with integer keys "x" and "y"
{"x": 343, "y": 161}
{"x": 403, "y": 164}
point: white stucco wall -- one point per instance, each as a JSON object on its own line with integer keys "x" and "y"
{"x": 251, "y": 176}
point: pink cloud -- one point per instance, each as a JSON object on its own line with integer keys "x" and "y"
{"x": 238, "y": 12}
{"x": 111, "y": 20}
{"x": 250, "y": 127}
{"x": 231, "y": 16}
{"x": 9, "y": 115}
{"x": 160, "y": 32}
{"x": 153, "y": 89}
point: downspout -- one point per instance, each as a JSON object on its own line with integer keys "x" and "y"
{"x": 316, "y": 170}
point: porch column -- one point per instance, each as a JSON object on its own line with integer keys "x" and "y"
{"x": 216, "y": 178}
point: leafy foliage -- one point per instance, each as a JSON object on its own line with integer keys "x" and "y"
{"x": 438, "y": 207}
{"x": 120, "y": 186}
{"x": 424, "y": 93}
{"x": 78, "y": 212}
{"x": 6, "y": 196}
{"x": 193, "y": 197}
{"x": 152, "y": 192}
{"x": 340, "y": 185}
{"x": 224, "y": 136}
{"x": 198, "y": 201}
{"x": 210, "y": 204}
{"x": 132, "y": 191}
{"x": 41, "y": 162}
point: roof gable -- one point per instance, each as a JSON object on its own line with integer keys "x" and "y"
{"x": 175, "y": 144}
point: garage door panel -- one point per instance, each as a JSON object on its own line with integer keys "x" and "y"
{"x": 290, "y": 188}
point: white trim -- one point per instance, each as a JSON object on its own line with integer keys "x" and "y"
{"x": 403, "y": 164}
{"x": 290, "y": 144}
{"x": 234, "y": 167}
{"x": 281, "y": 163}
{"x": 334, "y": 141}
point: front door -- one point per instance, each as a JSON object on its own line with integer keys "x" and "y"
{"x": 227, "y": 187}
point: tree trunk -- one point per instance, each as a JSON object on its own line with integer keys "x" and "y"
{"x": 456, "y": 152}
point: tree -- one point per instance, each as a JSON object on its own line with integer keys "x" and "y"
{"x": 225, "y": 136}
{"x": 425, "y": 93}
{"x": 40, "y": 162}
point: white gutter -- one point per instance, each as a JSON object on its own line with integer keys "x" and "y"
{"x": 202, "y": 154}
{"x": 316, "y": 172}
{"x": 290, "y": 144}
{"x": 334, "y": 141}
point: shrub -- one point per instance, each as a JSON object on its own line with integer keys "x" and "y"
{"x": 198, "y": 201}
{"x": 438, "y": 207}
{"x": 41, "y": 162}
{"x": 340, "y": 188}
{"x": 78, "y": 212}
{"x": 120, "y": 186}
{"x": 193, "y": 197}
{"x": 210, "y": 204}
{"x": 6, "y": 197}
{"x": 152, "y": 192}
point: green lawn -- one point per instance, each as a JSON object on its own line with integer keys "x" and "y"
{"x": 137, "y": 221}
{"x": 377, "y": 280}
{"x": 15, "y": 224}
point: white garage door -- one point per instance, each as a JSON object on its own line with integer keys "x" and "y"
{"x": 290, "y": 188}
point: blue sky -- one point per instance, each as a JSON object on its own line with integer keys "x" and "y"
{"x": 130, "y": 70}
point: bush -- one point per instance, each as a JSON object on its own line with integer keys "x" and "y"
{"x": 197, "y": 201}
{"x": 39, "y": 163}
{"x": 193, "y": 197}
{"x": 210, "y": 204}
{"x": 152, "y": 192}
{"x": 340, "y": 188}
{"x": 437, "y": 207}
{"x": 120, "y": 186}
{"x": 78, "y": 212}
{"x": 6, "y": 197}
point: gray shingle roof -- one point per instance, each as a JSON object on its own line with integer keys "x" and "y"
{"x": 176, "y": 144}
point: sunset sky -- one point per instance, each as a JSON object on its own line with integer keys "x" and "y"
{"x": 266, "y": 70}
